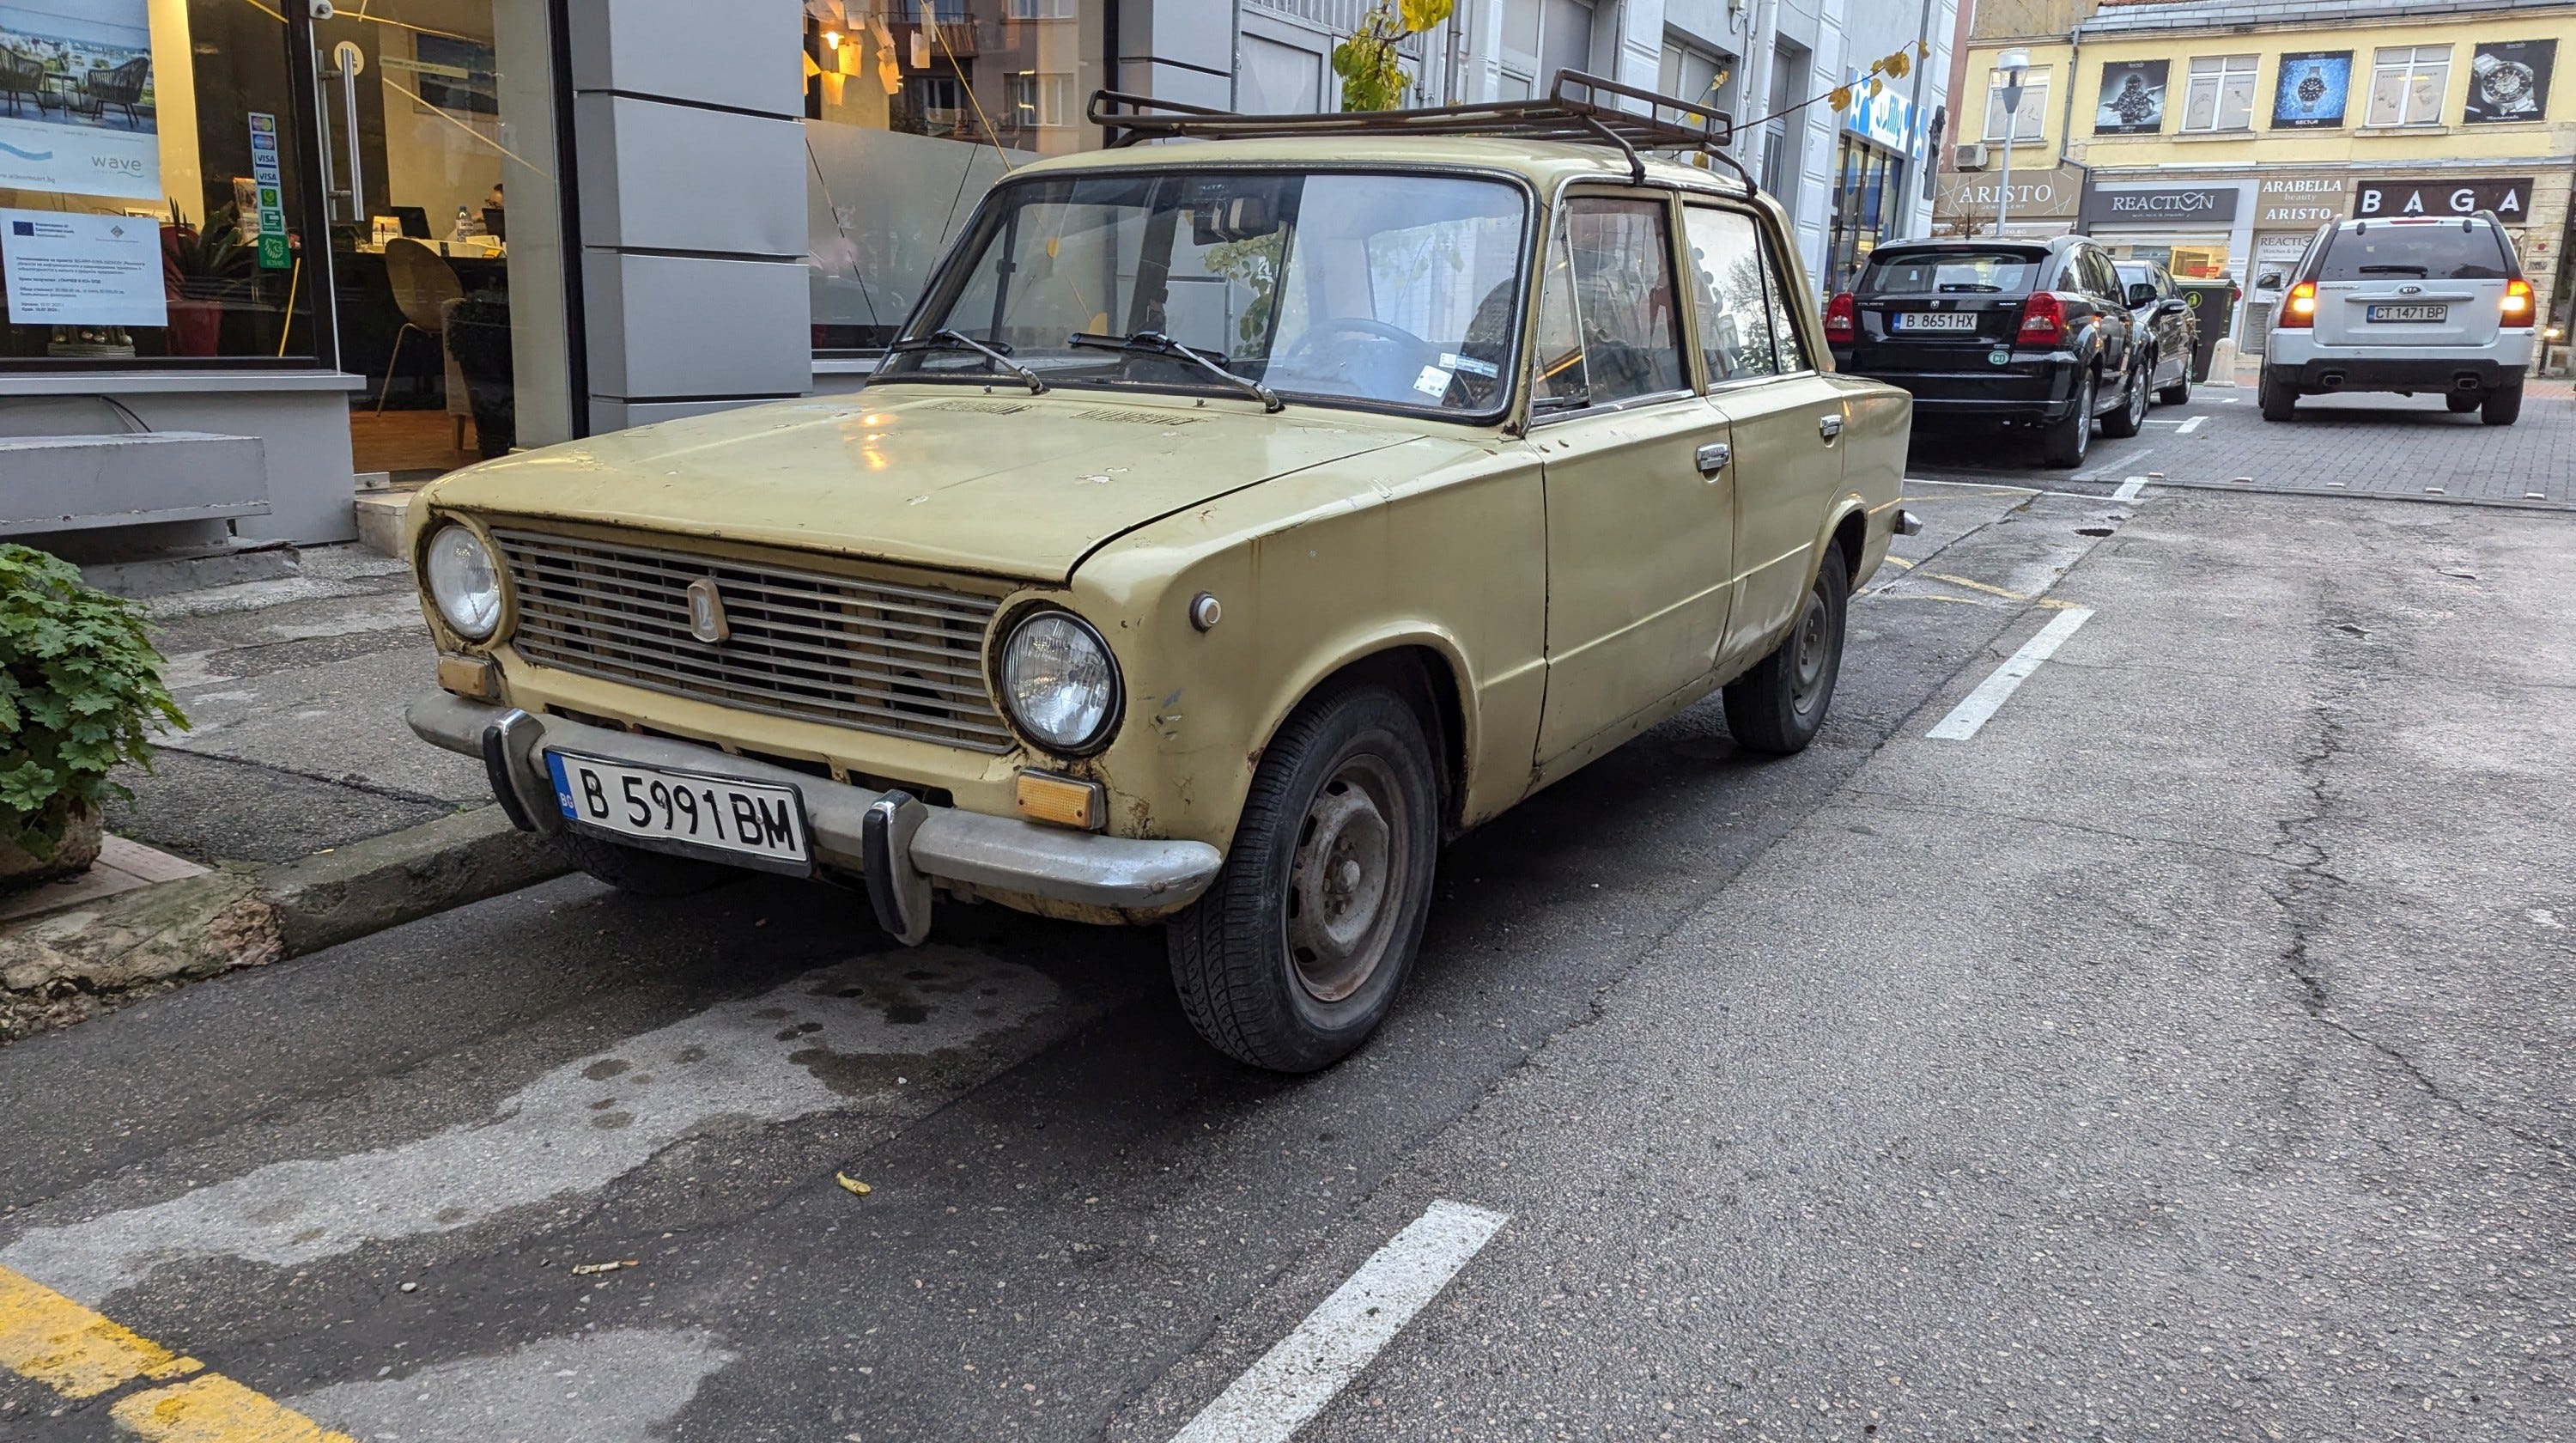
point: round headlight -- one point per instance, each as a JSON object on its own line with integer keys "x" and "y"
{"x": 463, "y": 581}
{"x": 1060, "y": 683}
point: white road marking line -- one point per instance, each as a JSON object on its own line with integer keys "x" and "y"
{"x": 1293, "y": 1381}
{"x": 2130, "y": 488}
{"x": 1981, "y": 704}
{"x": 1994, "y": 485}
{"x": 2194, "y": 424}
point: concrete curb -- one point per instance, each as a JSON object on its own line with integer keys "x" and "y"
{"x": 248, "y": 917}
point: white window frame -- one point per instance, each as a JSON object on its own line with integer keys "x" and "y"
{"x": 2408, "y": 63}
{"x": 2211, "y": 74}
{"x": 1041, "y": 9}
{"x": 2030, "y": 123}
{"x": 1039, "y": 98}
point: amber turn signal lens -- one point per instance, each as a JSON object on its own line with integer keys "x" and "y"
{"x": 470, "y": 676}
{"x": 2517, "y": 299}
{"x": 1062, "y": 801}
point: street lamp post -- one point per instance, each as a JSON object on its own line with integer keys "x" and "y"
{"x": 2013, "y": 64}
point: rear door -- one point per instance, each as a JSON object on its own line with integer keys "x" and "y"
{"x": 1940, "y": 310}
{"x": 2412, "y": 283}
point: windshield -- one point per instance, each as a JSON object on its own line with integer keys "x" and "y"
{"x": 1949, "y": 273}
{"x": 1381, "y": 290}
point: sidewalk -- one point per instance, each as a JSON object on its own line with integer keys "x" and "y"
{"x": 318, "y": 815}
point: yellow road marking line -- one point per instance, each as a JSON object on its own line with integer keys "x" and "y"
{"x": 47, "y": 1338}
{"x": 1989, "y": 590}
{"x": 215, "y": 1409}
{"x": 1900, "y": 562}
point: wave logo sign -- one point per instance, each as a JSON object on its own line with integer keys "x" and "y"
{"x": 26, "y": 154}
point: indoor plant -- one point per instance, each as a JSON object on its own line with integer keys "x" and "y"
{"x": 200, "y": 269}
{"x": 79, "y": 686}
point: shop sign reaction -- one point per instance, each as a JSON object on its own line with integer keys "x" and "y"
{"x": 2161, "y": 205}
{"x": 2299, "y": 200}
{"x": 114, "y": 152}
{"x": 66, "y": 268}
{"x": 2510, "y": 199}
{"x": 269, "y": 193}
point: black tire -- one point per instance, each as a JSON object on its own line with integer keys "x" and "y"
{"x": 2461, "y": 402}
{"x": 1261, "y": 964}
{"x": 2280, "y": 399}
{"x": 640, "y": 873}
{"x": 2179, "y": 392}
{"x": 2502, "y": 405}
{"x": 2131, "y": 414}
{"x": 1779, "y": 705}
{"x": 2066, "y": 442}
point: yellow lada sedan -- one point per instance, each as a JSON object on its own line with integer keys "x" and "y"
{"x": 1234, "y": 522}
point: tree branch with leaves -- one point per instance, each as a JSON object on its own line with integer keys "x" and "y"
{"x": 1369, "y": 63}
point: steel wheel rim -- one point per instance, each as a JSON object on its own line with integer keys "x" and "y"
{"x": 1347, "y": 879}
{"x": 1808, "y": 657}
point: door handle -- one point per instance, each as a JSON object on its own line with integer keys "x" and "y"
{"x": 1714, "y": 456}
{"x": 1829, "y": 426}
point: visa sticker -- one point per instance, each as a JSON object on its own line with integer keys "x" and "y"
{"x": 1433, "y": 381}
{"x": 1471, "y": 366}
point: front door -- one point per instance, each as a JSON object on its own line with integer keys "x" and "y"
{"x": 1640, "y": 516}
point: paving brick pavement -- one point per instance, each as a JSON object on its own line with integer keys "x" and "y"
{"x": 2337, "y": 445}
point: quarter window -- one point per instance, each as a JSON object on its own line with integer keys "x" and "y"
{"x": 2407, "y": 83}
{"x": 2221, "y": 93}
{"x": 1606, "y": 325}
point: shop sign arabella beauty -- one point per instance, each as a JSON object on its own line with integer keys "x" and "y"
{"x": 2300, "y": 200}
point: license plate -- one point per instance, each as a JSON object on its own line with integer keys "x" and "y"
{"x": 1936, "y": 320}
{"x": 2435, "y": 314}
{"x": 750, "y": 824}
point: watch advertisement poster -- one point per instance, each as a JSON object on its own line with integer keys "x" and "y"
{"x": 2312, "y": 91}
{"x": 80, "y": 120}
{"x": 2508, "y": 80}
{"x": 2133, "y": 98}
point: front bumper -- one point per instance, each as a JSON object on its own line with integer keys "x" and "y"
{"x": 1004, "y": 857}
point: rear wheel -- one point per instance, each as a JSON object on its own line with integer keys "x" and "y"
{"x": 1292, "y": 959}
{"x": 2461, "y": 402}
{"x": 2501, "y": 405}
{"x": 1780, "y": 704}
{"x": 2280, "y": 399}
{"x": 639, "y": 872}
{"x": 2066, "y": 442}
{"x": 2132, "y": 413}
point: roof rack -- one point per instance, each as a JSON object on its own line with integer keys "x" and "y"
{"x": 1667, "y": 122}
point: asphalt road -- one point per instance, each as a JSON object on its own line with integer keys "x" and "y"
{"x": 2183, "y": 1054}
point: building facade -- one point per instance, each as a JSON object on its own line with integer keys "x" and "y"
{"x": 2216, "y": 135}
{"x": 259, "y": 259}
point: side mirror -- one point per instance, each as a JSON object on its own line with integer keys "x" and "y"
{"x": 2270, "y": 281}
{"x": 2141, "y": 294}
{"x": 2173, "y": 306}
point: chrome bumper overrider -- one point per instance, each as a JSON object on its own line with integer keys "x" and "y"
{"x": 906, "y": 845}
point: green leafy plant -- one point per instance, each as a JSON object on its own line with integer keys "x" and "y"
{"x": 1372, "y": 72}
{"x": 203, "y": 262}
{"x": 79, "y": 687}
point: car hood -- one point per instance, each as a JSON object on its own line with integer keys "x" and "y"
{"x": 1015, "y": 486}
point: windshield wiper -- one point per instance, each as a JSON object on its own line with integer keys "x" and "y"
{"x": 2394, "y": 270}
{"x": 960, "y": 341}
{"x": 1155, "y": 343}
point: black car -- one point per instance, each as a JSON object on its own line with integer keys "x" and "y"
{"x": 2165, "y": 327}
{"x": 2027, "y": 334}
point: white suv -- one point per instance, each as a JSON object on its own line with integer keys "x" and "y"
{"x": 2406, "y": 305}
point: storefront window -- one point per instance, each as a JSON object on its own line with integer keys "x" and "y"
{"x": 153, "y": 207}
{"x": 1868, "y": 184}
{"x": 914, "y": 108}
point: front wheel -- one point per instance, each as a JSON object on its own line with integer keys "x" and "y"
{"x": 2502, "y": 405}
{"x": 2066, "y": 442}
{"x": 1780, "y": 704}
{"x": 2125, "y": 422}
{"x": 1292, "y": 959}
{"x": 2180, "y": 391}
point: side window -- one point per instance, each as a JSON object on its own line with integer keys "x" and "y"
{"x": 1728, "y": 290}
{"x": 1607, "y": 330}
{"x": 1784, "y": 316}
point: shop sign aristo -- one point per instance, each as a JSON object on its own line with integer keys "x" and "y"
{"x": 2163, "y": 205}
{"x": 2299, "y": 201}
{"x": 1970, "y": 195}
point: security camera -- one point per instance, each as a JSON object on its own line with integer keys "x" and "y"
{"x": 322, "y": 9}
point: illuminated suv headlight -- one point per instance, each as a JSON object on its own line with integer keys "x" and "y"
{"x": 463, "y": 581}
{"x": 1060, "y": 682}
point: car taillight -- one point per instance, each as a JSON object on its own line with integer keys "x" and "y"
{"x": 1842, "y": 319}
{"x": 2043, "y": 319}
{"x": 2517, "y": 302}
{"x": 2298, "y": 308}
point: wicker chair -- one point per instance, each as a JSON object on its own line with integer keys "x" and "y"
{"x": 122, "y": 86}
{"x": 22, "y": 75}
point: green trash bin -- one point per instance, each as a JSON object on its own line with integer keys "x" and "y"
{"x": 2213, "y": 311}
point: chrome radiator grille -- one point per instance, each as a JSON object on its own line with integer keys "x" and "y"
{"x": 903, "y": 661}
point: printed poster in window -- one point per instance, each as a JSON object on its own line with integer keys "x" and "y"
{"x": 2133, "y": 98}
{"x": 2508, "y": 80}
{"x": 83, "y": 121}
{"x": 2312, "y": 91}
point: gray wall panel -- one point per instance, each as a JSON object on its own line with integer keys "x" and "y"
{"x": 745, "y": 178}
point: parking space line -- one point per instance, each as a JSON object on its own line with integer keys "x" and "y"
{"x": 2130, "y": 488}
{"x": 1981, "y": 704}
{"x": 215, "y": 1409}
{"x": 2194, "y": 424}
{"x": 1294, "y": 1380}
{"x": 1987, "y": 587}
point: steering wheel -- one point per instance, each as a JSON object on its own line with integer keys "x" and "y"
{"x": 1295, "y": 360}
